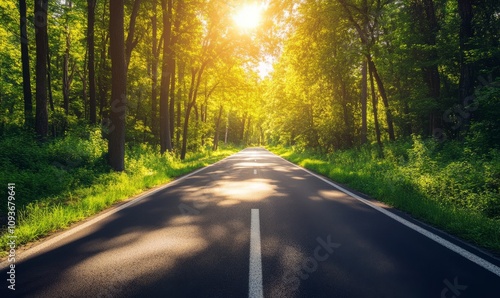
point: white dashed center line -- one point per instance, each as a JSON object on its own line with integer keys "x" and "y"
{"x": 255, "y": 280}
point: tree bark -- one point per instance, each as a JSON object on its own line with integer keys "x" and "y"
{"x": 91, "y": 4}
{"x": 375, "y": 109}
{"x": 155, "y": 52}
{"x": 49, "y": 77}
{"x": 172, "y": 97}
{"x": 347, "y": 123}
{"x": 28, "y": 99}
{"x": 102, "y": 79}
{"x": 131, "y": 42}
{"x": 217, "y": 128}
{"x": 242, "y": 131}
{"x": 189, "y": 106}
{"x": 41, "y": 117}
{"x": 165, "y": 137}
{"x": 196, "y": 74}
{"x": 385, "y": 101}
{"x": 227, "y": 128}
{"x": 116, "y": 144}
{"x": 175, "y": 37}
{"x": 364, "y": 97}
{"x": 66, "y": 76}
{"x": 180, "y": 92}
{"x": 68, "y": 73}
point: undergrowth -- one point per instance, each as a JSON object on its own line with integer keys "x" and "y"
{"x": 448, "y": 185}
{"x": 66, "y": 180}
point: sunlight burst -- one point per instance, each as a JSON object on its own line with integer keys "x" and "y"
{"x": 248, "y": 16}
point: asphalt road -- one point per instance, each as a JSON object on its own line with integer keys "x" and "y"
{"x": 253, "y": 225}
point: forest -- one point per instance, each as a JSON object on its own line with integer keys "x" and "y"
{"x": 96, "y": 94}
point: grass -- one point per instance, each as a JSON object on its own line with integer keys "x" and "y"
{"x": 65, "y": 181}
{"x": 448, "y": 187}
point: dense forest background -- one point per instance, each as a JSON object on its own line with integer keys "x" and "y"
{"x": 345, "y": 73}
{"x": 90, "y": 86}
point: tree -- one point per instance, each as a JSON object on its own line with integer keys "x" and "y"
{"x": 165, "y": 137}
{"x": 466, "y": 85}
{"x": 28, "y": 105}
{"x": 67, "y": 73}
{"x": 364, "y": 99}
{"x": 368, "y": 34}
{"x": 132, "y": 41}
{"x": 116, "y": 143}
{"x": 425, "y": 34}
{"x": 41, "y": 116}
{"x": 155, "y": 56}
{"x": 91, "y": 5}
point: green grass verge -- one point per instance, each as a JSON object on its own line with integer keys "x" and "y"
{"x": 401, "y": 181}
{"x": 145, "y": 168}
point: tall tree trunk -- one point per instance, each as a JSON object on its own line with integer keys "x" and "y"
{"x": 242, "y": 131}
{"x": 66, "y": 80}
{"x": 196, "y": 74}
{"x": 172, "y": 97}
{"x": 247, "y": 131}
{"x": 217, "y": 129}
{"x": 49, "y": 77}
{"x": 165, "y": 137}
{"x": 466, "y": 84}
{"x": 41, "y": 117}
{"x": 102, "y": 80}
{"x": 364, "y": 97}
{"x": 173, "y": 63}
{"x": 116, "y": 144}
{"x": 227, "y": 128}
{"x": 185, "y": 132}
{"x": 383, "y": 94}
{"x": 131, "y": 42}
{"x": 155, "y": 52}
{"x": 28, "y": 99}
{"x": 375, "y": 109}
{"x": 180, "y": 92}
{"x": 83, "y": 77}
{"x": 347, "y": 123}
{"x": 189, "y": 106}
{"x": 91, "y": 4}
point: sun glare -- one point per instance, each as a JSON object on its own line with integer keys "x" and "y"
{"x": 248, "y": 16}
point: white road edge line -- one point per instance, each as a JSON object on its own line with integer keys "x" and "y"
{"x": 255, "y": 272}
{"x": 453, "y": 247}
{"x": 27, "y": 253}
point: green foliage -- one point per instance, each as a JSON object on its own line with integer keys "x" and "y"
{"x": 449, "y": 186}
{"x": 485, "y": 125}
{"x": 66, "y": 179}
{"x": 44, "y": 170}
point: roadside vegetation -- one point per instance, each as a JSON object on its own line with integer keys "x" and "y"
{"x": 356, "y": 90}
{"x": 66, "y": 180}
{"x": 449, "y": 185}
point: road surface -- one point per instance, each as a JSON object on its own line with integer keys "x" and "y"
{"x": 253, "y": 225}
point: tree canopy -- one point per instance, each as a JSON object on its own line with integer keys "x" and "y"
{"x": 184, "y": 75}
